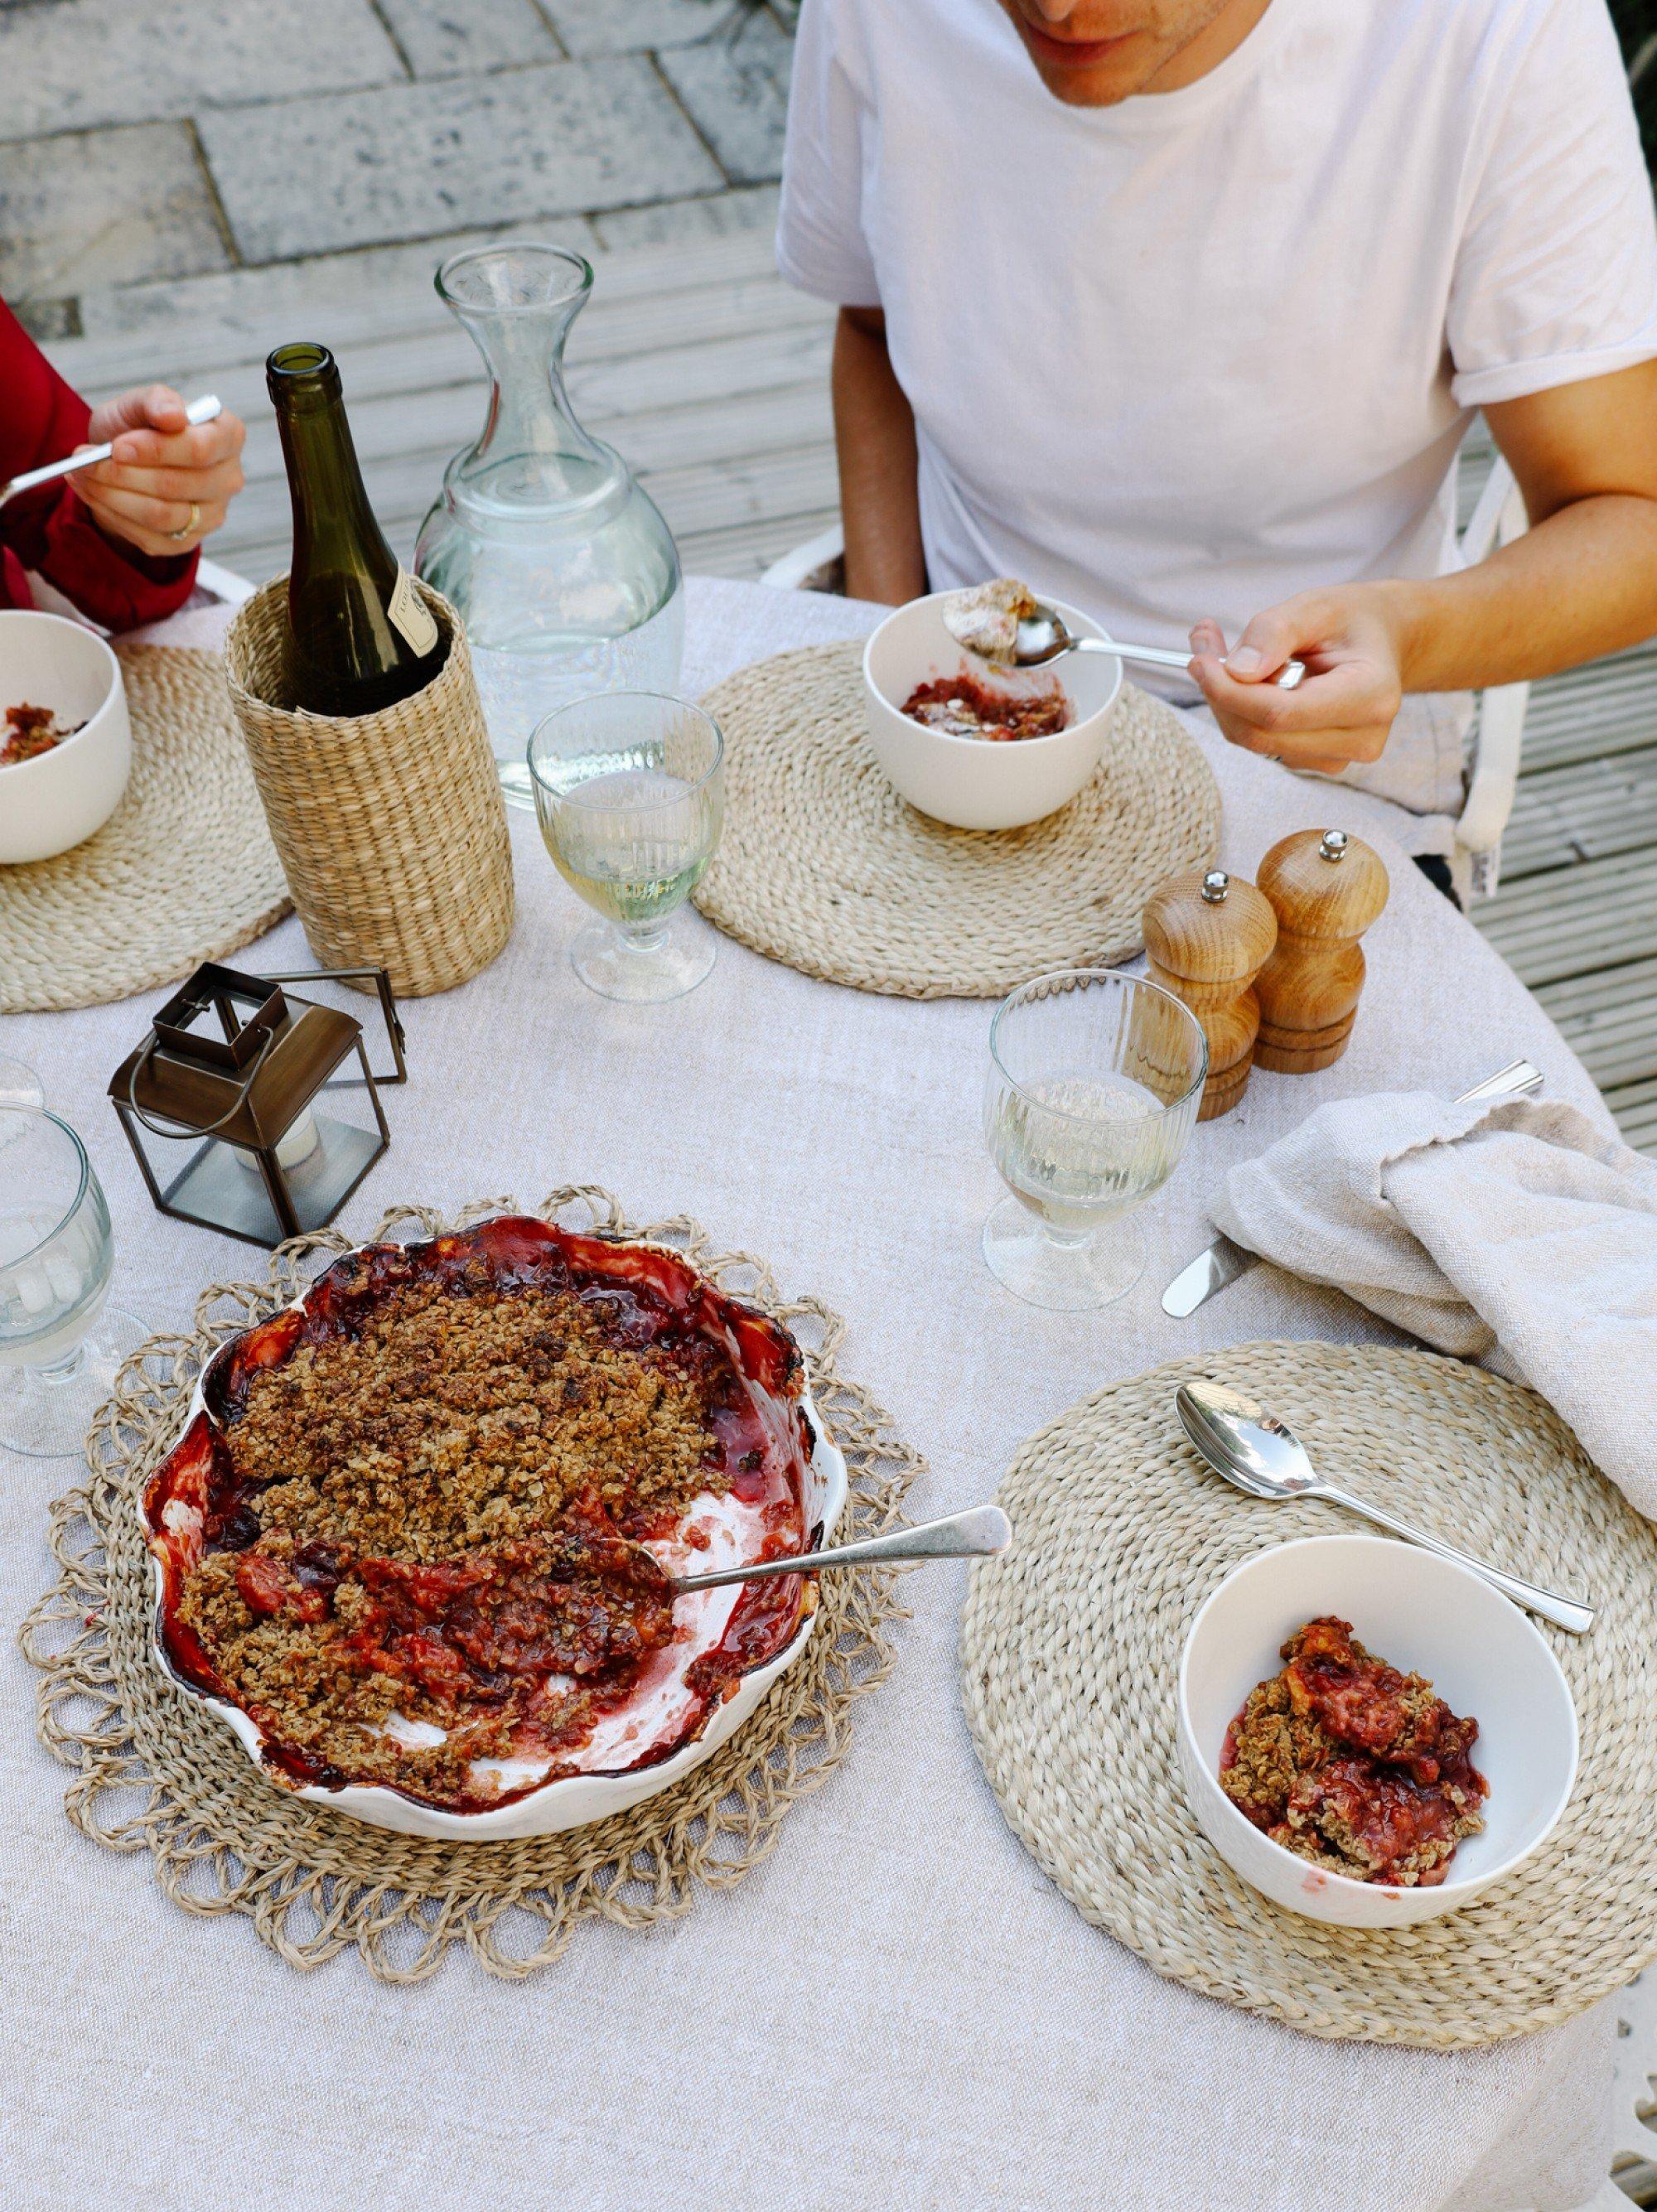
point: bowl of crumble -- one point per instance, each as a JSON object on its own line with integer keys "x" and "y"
{"x": 65, "y": 735}
{"x": 413, "y": 1546}
{"x": 977, "y": 745}
{"x": 1369, "y": 1734}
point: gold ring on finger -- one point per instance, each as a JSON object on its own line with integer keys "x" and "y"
{"x": 190, "y": 527}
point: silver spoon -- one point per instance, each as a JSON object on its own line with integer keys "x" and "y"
{"x": 1043, "y": 637}
{"x": 969, "y": 1535}
{"x": 199, "y": 410}
{"x": 1263, "y": 1456}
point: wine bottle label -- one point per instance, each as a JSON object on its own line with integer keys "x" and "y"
{"x": 410, "y": 615}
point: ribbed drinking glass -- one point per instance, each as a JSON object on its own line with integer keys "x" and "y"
{"x": 1094, "y": 1082}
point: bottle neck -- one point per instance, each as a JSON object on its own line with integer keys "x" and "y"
{"x": 533, "y": 454}
{"x": 334, "y": 525}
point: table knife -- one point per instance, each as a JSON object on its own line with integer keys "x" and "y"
{"x": 1223, "y": 1261}
{"x": 199, "y": 410}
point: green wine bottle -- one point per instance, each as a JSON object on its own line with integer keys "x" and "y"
{"x": 362, "y": 636}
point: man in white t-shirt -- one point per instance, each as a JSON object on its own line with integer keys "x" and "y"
{"x": 1178, "y": 310}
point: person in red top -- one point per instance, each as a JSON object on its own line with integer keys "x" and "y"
{"x": 120, "y": 539}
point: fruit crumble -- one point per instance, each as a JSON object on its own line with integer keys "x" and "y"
{"x": 406, "y": 1536}
{"x": 963, "y": 707}
{"x": 1348, "y": 1763}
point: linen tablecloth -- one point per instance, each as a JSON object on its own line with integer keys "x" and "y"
{"x": 898, "y": 2008}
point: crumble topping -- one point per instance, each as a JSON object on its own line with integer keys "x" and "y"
{"x": 410, "y": 1548}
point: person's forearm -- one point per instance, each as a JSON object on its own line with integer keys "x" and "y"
{"x": 1581, "y": 583}
{"x": 875, "y": 438}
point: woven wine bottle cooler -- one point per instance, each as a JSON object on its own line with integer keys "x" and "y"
{"x": 391, "y": 827}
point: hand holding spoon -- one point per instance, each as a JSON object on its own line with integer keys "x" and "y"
{"x": 1260, "y": 1454}
{"x": 207, "y": 409}
{"x": 1043, "y": 637}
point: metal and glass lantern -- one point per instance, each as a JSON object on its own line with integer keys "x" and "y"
{"x": 253, "y": 1111}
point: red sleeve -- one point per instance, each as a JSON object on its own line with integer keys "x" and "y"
{"x": 41, "y": 419}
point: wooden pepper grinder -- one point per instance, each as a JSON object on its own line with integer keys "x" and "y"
{"x": 1207, "y": 935}
{"x": 1327, "y": 888}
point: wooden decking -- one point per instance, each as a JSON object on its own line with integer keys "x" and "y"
{"x": 711, "y": 377}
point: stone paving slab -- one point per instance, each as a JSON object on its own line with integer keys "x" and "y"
{"x": 81, "y": 63}
{"x": 617, "y": 27}
{"x": 415, "y": 159}
{"x": 736, "y": 91}
{"x": 85, "y": 207}
{"x": 456, "y": 38}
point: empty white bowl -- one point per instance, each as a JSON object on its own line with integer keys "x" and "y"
{"x": 974, "y": 783}
{"x": 1424, "y": 1616}
{"x": 58, "y": 800}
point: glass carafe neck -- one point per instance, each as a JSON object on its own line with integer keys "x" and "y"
{"x": 516, "y": 303}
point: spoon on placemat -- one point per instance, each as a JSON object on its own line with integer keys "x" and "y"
{"x": 1043, "y": 637}
{"x": 1263, "y": 1456}
{"x": 969, "y": 1535}
{"x": 207, "y": 409}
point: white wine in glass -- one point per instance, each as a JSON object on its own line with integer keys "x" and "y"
{"x": 629, "y": 793}
{"x": 1093, "y": 1085}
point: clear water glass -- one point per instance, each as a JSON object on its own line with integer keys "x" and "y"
{"x": 630, "y": 791}
{"x": 560, "y": 563}
{"x": 19, "y": 1084}
{"x": 1094, "y": 1082}
{"x": 60, "y": 1345}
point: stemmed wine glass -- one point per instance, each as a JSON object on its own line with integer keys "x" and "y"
{"x": 629, "y": 790}
{"x": 1094, "y": 1082}
{"x": 59, "y": 1347}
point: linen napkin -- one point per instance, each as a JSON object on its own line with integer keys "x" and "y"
{"x": 1511, "y": 1233}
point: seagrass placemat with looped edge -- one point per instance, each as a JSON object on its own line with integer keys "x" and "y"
{"x": 823, "y": 867}
{"x": 184, "y": 870}
{"x": 1071, "y": 1647}
{"x": 313, "y": 1882}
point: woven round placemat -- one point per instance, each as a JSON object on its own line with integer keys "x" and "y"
{"x": 314, "y": 1882}
{"x": 1071, "y": 1647}
{"x": 184, "y": 870}
{"x": 823, "y": 867}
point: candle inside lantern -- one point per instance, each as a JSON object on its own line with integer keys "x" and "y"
{"x": 295, "y": 1145}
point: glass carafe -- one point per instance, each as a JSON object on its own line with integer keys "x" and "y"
{"x": 563, "y": 570}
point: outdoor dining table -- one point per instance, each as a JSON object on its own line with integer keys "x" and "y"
{"x": 897, "y": 2008}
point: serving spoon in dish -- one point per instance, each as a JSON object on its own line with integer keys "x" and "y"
{"x": 1044, "y": 637}
{"x": 970, "y": 1535}
{"x": 1258, "y": 1453}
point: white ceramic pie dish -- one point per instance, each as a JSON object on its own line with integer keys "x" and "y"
{"x": 1422, "y": 1614}
{"x": 60, "y": 799}
{"x": 569, "y": 1801}
{"x": 976, "y": 783}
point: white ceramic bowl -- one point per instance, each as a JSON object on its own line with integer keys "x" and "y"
{"x": 1424, "y": 1615}
{"x": 572, "y": 1800}
{"x": 59, "y": 798}
{"x": 968, "y": 781}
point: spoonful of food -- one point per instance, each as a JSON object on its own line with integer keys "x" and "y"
{"x": 973, "y": 1534}
{"x": 1004, "y": 622}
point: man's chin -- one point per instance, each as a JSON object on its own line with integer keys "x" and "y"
{"x": 1092, "y": 79}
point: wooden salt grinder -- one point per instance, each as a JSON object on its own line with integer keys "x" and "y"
{"x": 1327, "y": 889}
{"x": 1207, "y": 936}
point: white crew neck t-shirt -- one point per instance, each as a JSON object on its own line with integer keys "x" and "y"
{"x": 1192, "y": 354}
